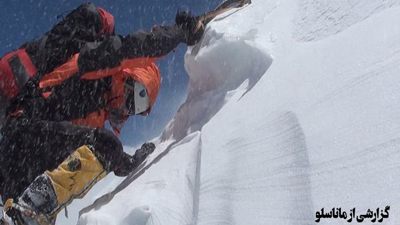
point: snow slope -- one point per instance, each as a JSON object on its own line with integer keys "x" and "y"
{"x": 292, "y": 106}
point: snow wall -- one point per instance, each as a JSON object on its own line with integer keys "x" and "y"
{"x": 293, "y": 106}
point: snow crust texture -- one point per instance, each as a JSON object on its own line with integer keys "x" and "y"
{"x": 293, "y": 106}
{"x": 320, "y": 19}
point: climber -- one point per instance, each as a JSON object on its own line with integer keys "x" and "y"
{"x": 59, "y": 91}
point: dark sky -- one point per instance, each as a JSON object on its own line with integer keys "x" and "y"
{"x": 23, "y": 20}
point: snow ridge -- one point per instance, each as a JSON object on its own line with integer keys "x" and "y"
{"x": 214, "y": 73}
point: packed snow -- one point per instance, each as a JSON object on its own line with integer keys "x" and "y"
{"x": 293, "y": 106}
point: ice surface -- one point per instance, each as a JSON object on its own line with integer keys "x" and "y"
{"x": 292, "y": 106}
{"x": 164, "y": 195}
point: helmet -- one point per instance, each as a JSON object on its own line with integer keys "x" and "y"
{"x": 135, "y": 90}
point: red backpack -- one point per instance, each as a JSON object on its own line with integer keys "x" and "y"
{"x": 16, "y": 68}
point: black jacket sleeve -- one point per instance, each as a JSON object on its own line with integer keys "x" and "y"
{"x": 159, "y": 42}
{"x": 109, "y": 151}
{"x": 110, "y": 52}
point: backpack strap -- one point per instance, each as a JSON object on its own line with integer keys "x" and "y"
{"x": 42, "y": 60}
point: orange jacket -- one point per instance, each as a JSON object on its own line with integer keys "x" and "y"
{"x": 143, "y": 70}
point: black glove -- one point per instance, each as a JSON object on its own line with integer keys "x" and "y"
{"x": 142, "y": 153}
{"x": 130, "y": 163}
{"x": 191, "y": 27}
